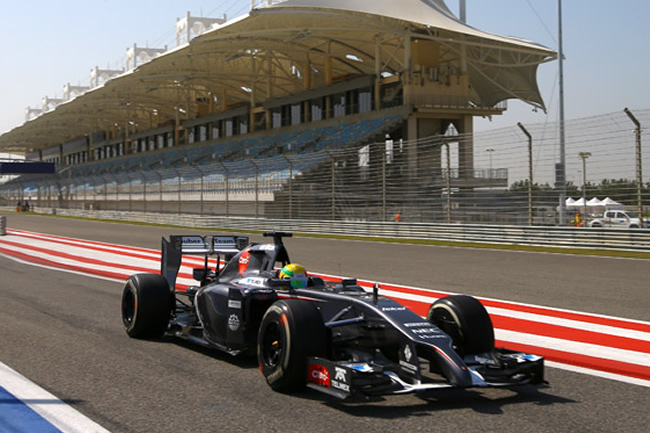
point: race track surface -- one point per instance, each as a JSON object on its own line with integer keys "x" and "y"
{"x": 63, "y": 331}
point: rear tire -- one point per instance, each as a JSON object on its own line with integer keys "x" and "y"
{"x": 466, "y": 321}
{"x": 291, "y": 330}
{"x": 146, "y": 305}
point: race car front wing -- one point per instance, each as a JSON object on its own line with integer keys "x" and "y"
{"x": 343, "y": 379}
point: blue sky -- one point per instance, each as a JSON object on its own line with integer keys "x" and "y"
{"x": 607, "y": 66}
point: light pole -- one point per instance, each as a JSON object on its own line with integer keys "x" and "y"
{"x": 560, "y": 172}
{"x": 584, "y": 156}
{"x": 490, "y": 151}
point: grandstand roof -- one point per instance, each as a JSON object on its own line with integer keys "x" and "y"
{"x": 269, "y": 53}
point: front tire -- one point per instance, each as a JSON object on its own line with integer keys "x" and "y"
{"x": 146, "y": 305}
{"x": 466, "y": 321}
{"x": 290, "y": 331}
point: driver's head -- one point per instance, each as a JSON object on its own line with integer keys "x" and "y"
{"x": 296, "y": 273}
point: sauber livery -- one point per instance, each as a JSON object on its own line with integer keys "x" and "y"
{"x": 334, "y": 337}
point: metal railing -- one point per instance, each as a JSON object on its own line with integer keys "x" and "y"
{"x": 568, "y": 237}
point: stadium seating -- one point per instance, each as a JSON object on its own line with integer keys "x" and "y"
{"x": 305, "y": 145}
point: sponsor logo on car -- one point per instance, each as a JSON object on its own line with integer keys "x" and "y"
{"x": 193, "y": 240}
{"x": 318, "y": 374}
{"x": 222, "y": 241}
{"x": 407, "y": 355}
{"x": 393, "y": 308}
{"x": 417, "y": 324}
{"x": 425, "y": 331}
{"x": 255, "y": 282}
{"x": 244, "y": 260}
{"x": 233, "y": 322}
{"x": 340, "y": 379}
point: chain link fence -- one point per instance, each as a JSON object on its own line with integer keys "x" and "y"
{"x": 426, "y": 180}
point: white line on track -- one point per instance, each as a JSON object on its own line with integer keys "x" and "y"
{"x": 594, "y": 350}
{"x": 597, "y": 373}
{"x": 56, "y": 412}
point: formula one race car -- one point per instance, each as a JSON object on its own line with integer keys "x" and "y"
{"x": 336, "y": 338}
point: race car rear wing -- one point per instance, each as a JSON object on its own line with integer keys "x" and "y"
{"x": 179, "y": 245}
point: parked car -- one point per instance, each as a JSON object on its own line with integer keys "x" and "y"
{"x": 618, "y": 219}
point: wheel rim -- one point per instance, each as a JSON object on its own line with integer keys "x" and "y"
{"x": 128, "y": 307}
{"x": 272, "y": 345}
{"x": 446, "y": 323}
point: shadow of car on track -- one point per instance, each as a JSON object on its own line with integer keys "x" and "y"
{"x": 484, "y": 401}
{"x": 242, "y": 361}
{"x": 489, "y": 401}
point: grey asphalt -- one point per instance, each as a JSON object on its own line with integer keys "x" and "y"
{"x": 64, "y": 332}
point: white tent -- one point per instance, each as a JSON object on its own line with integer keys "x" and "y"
{"x": 577, "y": 203}
{"x": 608, "y": 203}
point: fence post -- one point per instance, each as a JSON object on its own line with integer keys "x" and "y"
{"x": 448, "y": 182}
{"x": 201, "y": 186}
{"x": 290, "y": 186}
{"x": 160, "y": 191}
{"x": 227, "y": 190}
{"x": 530, "y": 173}
{"x": 639, "y": 162}
{"x": 257, "y": 188}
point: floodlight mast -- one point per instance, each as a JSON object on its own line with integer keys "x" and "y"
{"x": 561, "y": 173}
{"x": 463, "y": 10}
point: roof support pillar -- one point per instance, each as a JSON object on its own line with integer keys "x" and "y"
{"x": 465, "y": 127}
{"x": 251, "y": 111}
{"x": 269, "y": 77}
{"x": 407, "y": 60}
{"x": 89, "y": 147}
{"x": 329, "y": 79}
{"x": 224, "y": 102}
{"x": 378, "y": 74}
{"x": 307, "y": 80}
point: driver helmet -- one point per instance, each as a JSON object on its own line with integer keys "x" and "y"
{"x": 296, "y": 273}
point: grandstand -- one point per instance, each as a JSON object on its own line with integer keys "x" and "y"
{"x": 243, "y": 118}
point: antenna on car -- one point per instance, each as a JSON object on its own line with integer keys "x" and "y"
{"x": 375, "y": 292}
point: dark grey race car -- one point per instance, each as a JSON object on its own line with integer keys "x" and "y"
{"x": 336, "y": 338}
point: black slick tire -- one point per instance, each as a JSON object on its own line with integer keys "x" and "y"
{"x": 146, "y": 305}
{"x": 466, "y": 321}
{"x": 290, "y": 331}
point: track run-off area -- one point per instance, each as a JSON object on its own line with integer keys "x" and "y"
{"x": 611, "y": 347}
{"x": 594, "y": 358}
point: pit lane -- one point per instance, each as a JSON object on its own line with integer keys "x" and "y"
{"x": 63, "y": 331}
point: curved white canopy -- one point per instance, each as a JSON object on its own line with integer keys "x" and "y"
{"x": 284, "y": 49}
